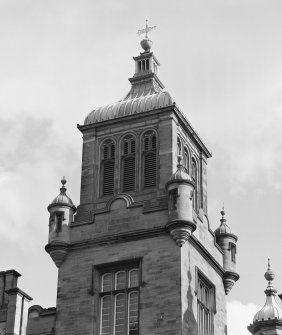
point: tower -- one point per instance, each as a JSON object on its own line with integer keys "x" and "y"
{"x": 61, "y": 216}
{"x": 268, "y": 321}
{"x": 227, "y": 241}
{"x": 139, "y": 256}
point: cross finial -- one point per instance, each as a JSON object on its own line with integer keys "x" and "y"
{"x": 146, "y": 30}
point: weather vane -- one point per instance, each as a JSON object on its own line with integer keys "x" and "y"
{"x": 146, "y": 30}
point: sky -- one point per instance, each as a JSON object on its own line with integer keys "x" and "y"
{"x": 221, "y": 61}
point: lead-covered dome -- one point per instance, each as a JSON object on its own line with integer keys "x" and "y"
{"x": 147, "y": 93}
{"x": 223, "y": 228}
{"x": 272, "y": 309}
{"x": 181, "y": 173}
{"x": 62, "y": 198}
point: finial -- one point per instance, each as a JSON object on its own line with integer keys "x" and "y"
{"x": 222, "y": 212}
{"x": 269, "y": 274}
{"x": 63, "y": 181}
{"x": 146, "y": 43}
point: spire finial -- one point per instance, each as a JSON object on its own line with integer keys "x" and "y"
{"x": 222, "y": 212}
{"x": 146, "y": 30}
{"x": 146, "y": 43}
{"x": 63, "y": 181}
{"x": 269, "y": 276}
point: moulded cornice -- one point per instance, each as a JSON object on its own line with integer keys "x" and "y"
{"x": 173, "y": 108}
{"x": 142, "y": 234}
{"x": 16, "y": 290}
{"x": 265, "y": 325}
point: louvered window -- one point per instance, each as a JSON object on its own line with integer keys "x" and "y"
{"x": 108, "y": 168}
{"x": 128, "y": 162}
{"x": 119, "y": 300}
{"x": 149, "y": 160}
{"x": 194, "y": 177}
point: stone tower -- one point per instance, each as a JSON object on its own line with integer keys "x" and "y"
{"x": 268, "y": 321}
{"x": 139, "y": 256}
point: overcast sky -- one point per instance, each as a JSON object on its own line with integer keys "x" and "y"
{"x": 221, "y": 61}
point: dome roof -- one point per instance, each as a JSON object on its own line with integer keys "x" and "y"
{"x": 271, "y": 309}
{"x": 223, "y": 228}
{"x": 180, "y": 173}
{"x": 143, "y": 97}
{"x": 62, "y": 198}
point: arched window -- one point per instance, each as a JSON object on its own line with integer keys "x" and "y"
{"x": 194, "y": 177}
{"x": 149, "y": 160}
{"x": 128, "y": 163}
{"x": 179, "y": 151}
{"x": 186, "y": 159}
{"x": 108, "y": 167}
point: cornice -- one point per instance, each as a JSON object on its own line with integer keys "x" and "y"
{"x": 117, "y": 238}
{"x": 16, "y": 290}
{"x": 265, "y": 324}
{"x": 142, "y": 234}
{"x": 131, "y": 117}
{"x": 172, "y": 108}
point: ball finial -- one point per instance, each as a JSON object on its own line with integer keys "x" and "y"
{"x": 63, "y": 181}
{"x": 222, "y": 212}
{"x": 269, "y": 274}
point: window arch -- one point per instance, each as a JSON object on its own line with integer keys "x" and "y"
{"x": 186, "y": 159}
{"x": 149, "y": 159}
{"x": 108, "y": 167}
{"x": 128, "y": 163}
{"x": 195, "y": 180}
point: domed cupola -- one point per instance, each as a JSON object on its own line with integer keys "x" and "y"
{"x": 180, "y": 174}
{"x": 223, "y": 228}
{"x": 62, "y": 198}
{"x": 146, "y": 93}
{"x": 227, "y": 241}
{"x": 269, "y": 319}
{"x": 61, "y": 212}
{"x": 180, "y": 190}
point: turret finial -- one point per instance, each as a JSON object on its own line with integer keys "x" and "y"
{"x": 269, "y": 276}
{"x": 222, "y": 212}
{"x": 63, "y": 189}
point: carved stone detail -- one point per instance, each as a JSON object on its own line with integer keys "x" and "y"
{"x": 229, "y": 279}
{"x": 180, "y": 231}
{"x": 58, "y": 252}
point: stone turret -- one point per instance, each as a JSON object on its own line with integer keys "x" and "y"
{"x": 268, "y": 321}
{"x": 227, "y": 241}
{"x": 61, "y": 212}
{"x": 180, "y": 190}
